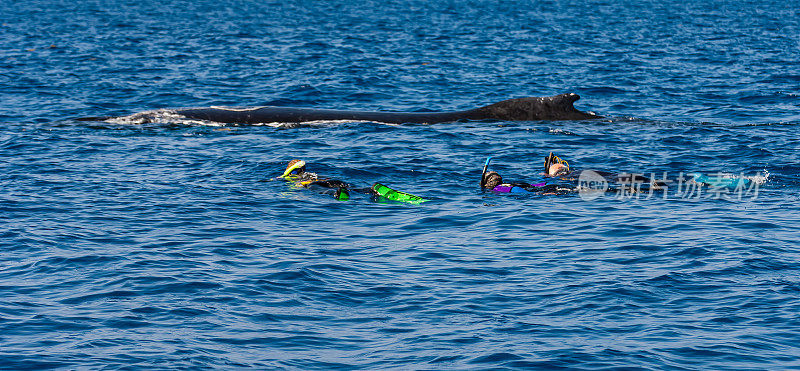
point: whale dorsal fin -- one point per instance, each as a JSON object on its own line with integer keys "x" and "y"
{"x": 557, "y": 107}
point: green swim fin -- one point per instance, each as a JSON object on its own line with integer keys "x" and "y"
{"x": 341, "y": 194}
{"x": 395, "y": 195}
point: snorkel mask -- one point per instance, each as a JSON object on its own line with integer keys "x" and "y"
{"x": 294, "y": 169}
{"x": 551, "y": 160}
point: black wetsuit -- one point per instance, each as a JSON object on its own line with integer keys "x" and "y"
{"x": 340, "y": 190}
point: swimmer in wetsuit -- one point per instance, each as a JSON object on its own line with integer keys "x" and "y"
{"x": 494, "y": 182}
{"x": 559, "y": 178}
{"x": 555, "y": 167}
{"x": 296, "y": 172}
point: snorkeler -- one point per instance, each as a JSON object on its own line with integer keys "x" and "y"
{"x": 554, "y": 166}
{"x": 296, "y": 172}
{"x": 493, "y": 181}
{"x": 557, "y": 178}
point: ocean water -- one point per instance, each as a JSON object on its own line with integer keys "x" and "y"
{"x": 160, "y": 246}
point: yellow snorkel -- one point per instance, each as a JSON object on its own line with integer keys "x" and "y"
{"x": 298, "y": 166}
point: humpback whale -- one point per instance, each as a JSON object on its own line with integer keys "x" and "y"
{"x": 557, "y": 107}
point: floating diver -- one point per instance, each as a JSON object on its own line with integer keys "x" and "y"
{"x": 493, "y": 181}
{"x": 555, "y": 167}
{"x": 340, "y": 190}
{"x": 559, "y": 178}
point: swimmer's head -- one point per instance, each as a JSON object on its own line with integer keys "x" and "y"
{"x": 492, "y": 179}
{"x": 557, "y": 169}
{"x": 295, "y": 167}
{"x": 554, "y": 165}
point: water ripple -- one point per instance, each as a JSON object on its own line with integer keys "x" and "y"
{"x": 167, "y": 245}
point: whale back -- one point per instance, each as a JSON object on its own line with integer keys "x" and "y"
{"x": 557, "y": 107}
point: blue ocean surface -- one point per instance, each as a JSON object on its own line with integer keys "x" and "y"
{"x": 170, "y": 245}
